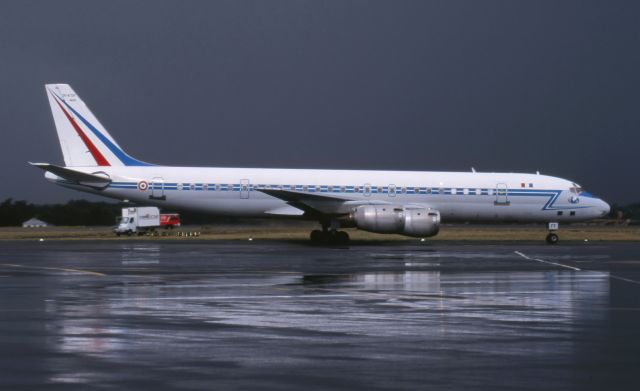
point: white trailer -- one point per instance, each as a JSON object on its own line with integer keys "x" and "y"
{"x": 138, "y": 220}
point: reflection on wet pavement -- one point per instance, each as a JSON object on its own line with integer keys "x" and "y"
{"x": 286, "y": 316}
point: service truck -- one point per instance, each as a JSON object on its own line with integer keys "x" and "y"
{"x": 169, "y": 220}
{"x": 138, "y": 220}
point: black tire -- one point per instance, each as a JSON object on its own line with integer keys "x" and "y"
{"x": 341, "y": 237}
{"x": 552, "y": 238}
{"x": 129, "y": 232}
{"x": 316, "y": 236}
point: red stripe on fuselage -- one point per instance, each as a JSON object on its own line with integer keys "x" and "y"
{"x": 100, "y": 160}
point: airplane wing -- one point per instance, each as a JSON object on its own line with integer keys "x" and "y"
{"x": 316, "y": 204}
{"x": 73, "y": 176}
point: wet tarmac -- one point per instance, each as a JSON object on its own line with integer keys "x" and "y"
{"x": 287, "y": 316}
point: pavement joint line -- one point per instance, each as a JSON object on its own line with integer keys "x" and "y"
{"x": 247, "y": 297}
{"x": 387, "y": 295}
{"x": 54, "y": 268}
{"x": 547, "y": 262}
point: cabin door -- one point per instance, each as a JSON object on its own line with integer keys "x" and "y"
{"x": 244, "y": 188}
{"x": 502, "y": 194}
{"x": 157, "y": 189}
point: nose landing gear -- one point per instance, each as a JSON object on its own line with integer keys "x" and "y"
{"x": 552, "y": 237}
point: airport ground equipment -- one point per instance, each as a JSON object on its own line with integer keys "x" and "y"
{"x": 138, "y": 220}
{"x": 169, "y": 220}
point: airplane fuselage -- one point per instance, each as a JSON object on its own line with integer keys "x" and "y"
{"x": 458, "y": 196}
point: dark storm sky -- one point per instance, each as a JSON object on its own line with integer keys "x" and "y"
{"x": 407, "y": 85}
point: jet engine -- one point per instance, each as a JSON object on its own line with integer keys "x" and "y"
{"x": 390, "y": 219}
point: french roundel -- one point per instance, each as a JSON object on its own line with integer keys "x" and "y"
{"x": 143, "y": 185}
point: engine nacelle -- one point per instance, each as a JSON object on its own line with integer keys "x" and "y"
{"x": 390, "y": 219}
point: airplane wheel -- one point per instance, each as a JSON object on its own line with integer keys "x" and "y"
{"x": 316, "y": 236}
{"x": 342, "y": 237}
{"x": 552, "y": 238}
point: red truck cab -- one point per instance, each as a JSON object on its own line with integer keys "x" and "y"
{"x": 169, "y": 220}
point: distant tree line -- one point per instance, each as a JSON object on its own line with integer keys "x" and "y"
{"x": 626, "y": 212}
{"x": 81, "y": 212}
{"x": 77, "y": 212}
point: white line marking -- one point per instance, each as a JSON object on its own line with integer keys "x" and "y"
{"x": 608, "y": 274}
{"x": 547, "y": 262}
{"x": 624, "y": 279}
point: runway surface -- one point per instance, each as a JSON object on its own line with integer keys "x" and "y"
{"x": 288, "y": 316}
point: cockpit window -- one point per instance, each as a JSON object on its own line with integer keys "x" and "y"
{"x": 575, "y": 188}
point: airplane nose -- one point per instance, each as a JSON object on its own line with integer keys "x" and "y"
{"x": 605, "y": 208}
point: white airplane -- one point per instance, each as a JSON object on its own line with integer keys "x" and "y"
{"x": 409, "y": 203}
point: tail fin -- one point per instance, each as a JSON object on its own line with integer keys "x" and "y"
{"x": 83, "y": 139}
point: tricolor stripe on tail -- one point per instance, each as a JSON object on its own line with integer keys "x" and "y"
{"x": 83, "y": 139}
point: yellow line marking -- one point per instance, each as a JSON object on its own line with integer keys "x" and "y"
{"x": 54, "y": 268}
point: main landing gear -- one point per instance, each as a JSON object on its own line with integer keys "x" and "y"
{"x": 329, "y": 236}
{"x": 552, "y": 237}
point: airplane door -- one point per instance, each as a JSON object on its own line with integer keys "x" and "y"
{"x": 502, "y": 194}
{"x": 157, "y": 189}
{"x": 244, "y": 188}
{"x": 367, "y": 189}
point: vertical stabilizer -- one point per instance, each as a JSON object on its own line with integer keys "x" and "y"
{"x": 83, "y": 139}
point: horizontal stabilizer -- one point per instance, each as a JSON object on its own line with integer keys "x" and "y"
{"x": 73, "y": 176}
